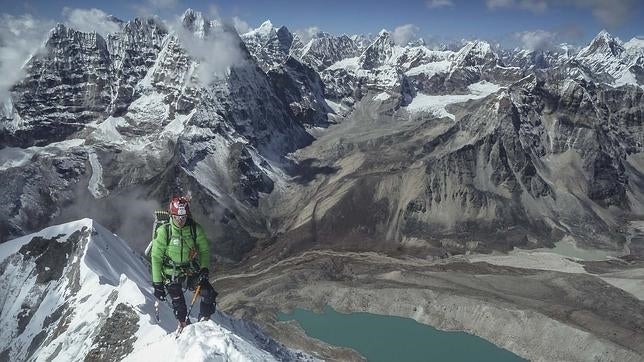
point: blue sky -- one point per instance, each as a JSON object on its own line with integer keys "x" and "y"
{"x": 574, "y": 21}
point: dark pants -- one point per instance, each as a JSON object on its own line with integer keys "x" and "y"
{"x": 208, "y": 296}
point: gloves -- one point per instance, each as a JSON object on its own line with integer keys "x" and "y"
{"x": 159, "y": 291}
{"x": 203, "y": 275}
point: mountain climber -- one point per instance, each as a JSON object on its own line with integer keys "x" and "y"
{"x": 181, "y": 255}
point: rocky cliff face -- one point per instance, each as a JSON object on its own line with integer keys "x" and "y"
{"x": 289, "y": 68}
{"x": 378, "y": 52}
{"x": 132, "y": 51}
{"x": 81, "y": 78}
{"x": 523, "y": 167}
{"x": 538, "y": 58}
{"x": 269, "y": 46}
{"x": 324, "y": 50}
{"x": 546, "y": 155}
{"x": 442, "y": 151}
{"x": 509, "y": 169}
{"x": 116, "y": 115}
{"x": 303, "y": 90}
{"x": 67, "y": 87}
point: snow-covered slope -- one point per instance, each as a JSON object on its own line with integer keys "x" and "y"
{"x": 407, "y": 71}
{"x": 635, "y": 43}
{"x": 608, "y": 60}
{"x": 77, "y": 291}
{"x": 386, "y": 66}
{"x": 269, "y": 45}
{"x": 324, "y": 49}
{"x": 532, "y": 59}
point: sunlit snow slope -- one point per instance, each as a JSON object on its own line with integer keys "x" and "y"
{"x": 77, "y": 291}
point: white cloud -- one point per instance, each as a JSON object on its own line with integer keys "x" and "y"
{"x": 89, "y": 20}
{"x": 438, "y": 3}
{"x": 536, "y": 6}
{"x": 20, "y": 37}
{"x": 214, "y": 53}
{"x": 538, "y": 39}
{"x": 493, "y": 4}
{"x": 307, "y": 34}
{"x": 405, "y": 33}
{"x": 18, "y": 25}
{"x": 609, "y": 13}
{"x": 153, "y": 7}
{"x": 163, "y": 4}
{"x": 241, "y": 26}
{"x": 213, "y": 11}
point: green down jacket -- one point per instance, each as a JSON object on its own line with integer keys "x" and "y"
{"x": 171, "y": 256}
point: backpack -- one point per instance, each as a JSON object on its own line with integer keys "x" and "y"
{"x": 162, "y": 219}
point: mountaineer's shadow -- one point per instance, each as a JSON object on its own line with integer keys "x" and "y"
{"x": 306, "y": 171}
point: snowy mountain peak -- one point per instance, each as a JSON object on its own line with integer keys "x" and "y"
{"x": 361, "y": 41}
{"x": 62, "y": 31}
{"x": 378, "y": 52}
{"x": 114, "y": 19}
{"x": 76, "y": 291}
{"x": 190, "y": 15}
{"x": 603, "y": 34}
{"x": 480, "y": 47}
{"x": 270, "y": 46}
{"x": 266, "y": 27}
{"x": 417, "y": 43}
{"x": 568, "y": 50}
{"x": 324, "y": 50}
{"x": 635, "y": 43}
{"x": 142, "y": 26}
{"x": 59, "y": 28}
{"x": 285, "y": 38}
{"x": 264, "y": 31}
{"x": 323, "y": 34}
{"x": 610, "y": 61}
{"x": 267, "y": 33}
{"x": 61, "y": 37}
{"x": 475, "y": 53}
{"x": 195, "y": 22}
{"x": 603, "y": 43}
{"x": 529, "y": 59}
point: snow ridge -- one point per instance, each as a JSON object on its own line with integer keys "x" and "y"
{"x": 76, "y": 290}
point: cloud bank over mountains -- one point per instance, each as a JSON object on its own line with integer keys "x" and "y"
{"x": 90, "y": 20}
{"x": 20, "y": 37}
{"x": 609, "y": 13}
{"x": 405, "y": 33}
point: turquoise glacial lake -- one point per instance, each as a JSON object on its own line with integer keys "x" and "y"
{"x": 386, "y": 338}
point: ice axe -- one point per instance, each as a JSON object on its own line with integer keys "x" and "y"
{"x": 194, "y": 297}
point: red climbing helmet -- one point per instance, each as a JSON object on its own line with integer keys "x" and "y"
{"x": 179, "y": 206}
